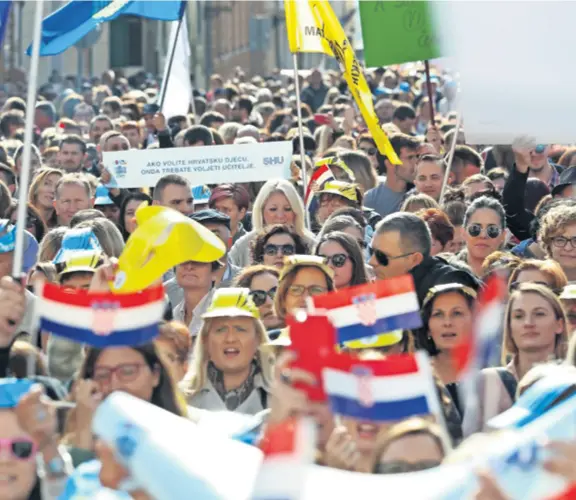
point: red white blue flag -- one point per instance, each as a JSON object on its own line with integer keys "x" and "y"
{"x": 100, "y": 319}
{"x": 321, "y": 175}
{"x": 383, "y": 390}
{"x": 372, "y": 309}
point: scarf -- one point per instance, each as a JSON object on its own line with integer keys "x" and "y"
{"x": 235, "y": 397}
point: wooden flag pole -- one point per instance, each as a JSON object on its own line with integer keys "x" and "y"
{"x": 429, "y": 91}
{"x": 450, "y": 156}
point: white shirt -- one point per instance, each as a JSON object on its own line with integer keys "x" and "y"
{"x": 194, "y": 327}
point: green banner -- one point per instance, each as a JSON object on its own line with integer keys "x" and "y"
{"x": 396, "y": 32}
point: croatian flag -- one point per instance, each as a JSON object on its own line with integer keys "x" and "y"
{"x": 383, "y": 390}
{"x": 289, "y": 448}
{"x": 372, "y": 309}
{"x": 319, "y": 177}
{"x": 100, "y": 319}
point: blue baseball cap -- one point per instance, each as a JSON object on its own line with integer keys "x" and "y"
{"x": 8, "y": 244}
{"x": 102, "y": 196}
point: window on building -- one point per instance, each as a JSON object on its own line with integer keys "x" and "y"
{"x": 126, "y": 42}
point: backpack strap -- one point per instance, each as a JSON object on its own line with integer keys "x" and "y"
{"x": 263, "y": 398}
{"x": 508, "y": 381}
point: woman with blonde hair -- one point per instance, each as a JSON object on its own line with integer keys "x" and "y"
{"x": 364, "y": 172}
{"x": 535, "y": 331}
{"x": 230, "y": 371}
{"x": 41, "y": 194}
{"x": 277, "y": 202}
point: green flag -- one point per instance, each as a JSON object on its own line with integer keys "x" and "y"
{"x": 396, "y": 32}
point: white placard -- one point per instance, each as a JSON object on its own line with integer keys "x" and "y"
{"x": 201, "y": 165}
{"x": 514, "y": 60}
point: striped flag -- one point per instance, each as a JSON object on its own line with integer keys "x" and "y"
{"x": 321, "y": 175}
{"x": 371, "y": 309}
{"x": 289, "y": 448}
{"x": 382, "y": 390}
{"x": 100, "y": 319}
{"x": 303, "y": 34}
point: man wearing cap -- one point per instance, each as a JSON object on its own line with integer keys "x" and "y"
{"x": 104, "y": 203}
{"x": 150, "y": 131}
{"x": 219, "y": 224}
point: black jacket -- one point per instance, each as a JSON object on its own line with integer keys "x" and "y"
{"x": 434, "y": 271}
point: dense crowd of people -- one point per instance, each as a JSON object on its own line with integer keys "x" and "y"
{"x": 224, "y": 345}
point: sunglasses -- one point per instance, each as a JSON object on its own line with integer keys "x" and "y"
{"x": 299, "y": 290}
{"x": 383, "y": 259}
{"x": 370, "y": 151}
{"x": 272, "y": 250}
{"x": 259, "y": 296}
{"x": 20, "y": 448}
{"x": 400, "y": 466}
{"x": 492, "y": 231}
{"x": 337, "y": 260}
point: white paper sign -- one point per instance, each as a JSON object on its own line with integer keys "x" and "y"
{"x": 201, "y": 165}
{"x": 514, "y": 60}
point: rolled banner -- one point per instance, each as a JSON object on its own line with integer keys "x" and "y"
{"x": 172, "y": 458}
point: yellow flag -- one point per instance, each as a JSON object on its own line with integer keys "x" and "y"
{"x": 335, "y": 38}
{"x": 303, "y": 34}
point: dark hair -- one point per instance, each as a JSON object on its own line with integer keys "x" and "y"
{"x": 130, "y": 197}
{"x": 198, "y": 133}
{"x": 485, "y": 202}
{"x": 309, "y": 144}
{"x": 166, "y": 180}
{"x": 245, "y": 102}
{"x": 101, "y": 118}
{"x": 262, "y": 238}
{"x": 33, "y": 218}
{"x": 465, "y": 154}
{"x": 440, "y": 226}
{"x": 237, "y": 192}
{"x": 5, "y": 169}
{"x": 85, "y": 215}
{"x": 414, "y": 232}
{"x": 114, "y": 102}
{"x": 210, "y": 117}
{"x": 340, "y": 223}
{"x": 498, "y": 173}
{"x": 434, "y": 159}
{"x": 244, "y": 279}
{"x": 404, "y": 111}
{"x": 164, "y": 394}
{"x": 47, "y": 108}
{"x": 423, "y": 338}
{"x": 353, "y": 212}
{"x": 9, "y": 118}
{"x": 352, "y": 248}
{"x": 74, "y": 139}
{"x": 535, "y": 190}
{"x": 455, "y": 210}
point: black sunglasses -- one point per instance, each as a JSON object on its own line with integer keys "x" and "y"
{"x": 492, "y": 231}
{"x": 383, "y": 259}
{"x": 259, "y": 296}
{"x": 272, "y": 250}
{"x": 370, "y": 151}
{"x": 338, "y": 259}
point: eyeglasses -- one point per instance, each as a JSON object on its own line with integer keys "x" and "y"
{"x": 272, "y": 250}
{"x": 383, "y": 259}
{"x": 561, "y": 242}
{"x": 127, "y": 372}
{"x": 492, "y": 230}
{"x": 20, "y": 448}
{"x": 337, "y": 260}
{"x": 299, "y": 290}
{"x": 370, "y": 151}
{"x": 259, "y": 296}
{"x": 400, "y": 466}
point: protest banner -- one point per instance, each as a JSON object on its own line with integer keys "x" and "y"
{"x": 201, "y": 165}
{"x": 397, "y": 32}
{"x": 515, "y": 103}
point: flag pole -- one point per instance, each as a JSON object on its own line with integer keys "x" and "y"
{"x": 429, "y": 90}
{"x": 301, "y": 134}
{"x": 450, "y": 156}
{"x": 171, "y": 58}
{"x": 26, "y": 157}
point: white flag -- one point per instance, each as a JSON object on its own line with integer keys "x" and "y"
{"x": 177, "y": 77}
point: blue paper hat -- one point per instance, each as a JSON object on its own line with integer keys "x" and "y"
{"x": 8, "y": 243}
{"x": 7, "y": 236}
{"x": 77, "y": 239}
{"x": 201, "y": 194}
{"x": 102, "y": 196}
{"x": 11, "y": 390}
{"x": 535, "y": 401}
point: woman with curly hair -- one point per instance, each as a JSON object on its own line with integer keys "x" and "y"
{"x": 276, "y": 242}
{"x": 557, "y": 235}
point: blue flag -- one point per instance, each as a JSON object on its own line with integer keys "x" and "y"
{"x": 4, "y": 14}
{"x": 67, "y": 25}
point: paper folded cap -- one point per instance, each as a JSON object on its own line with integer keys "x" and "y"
{"x": 85, "y": 261}
{"x": 102, "y": 196}
{"x": 210, "y": 216}
{"x": 375, "y": 341}
{"x": 201, "y": 194}
{"x": 232, "y": 302}
{"x": 340, "y": 188}
{"x": 75, "y": 240}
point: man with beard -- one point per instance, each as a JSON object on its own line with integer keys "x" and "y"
{"x": 71, "y": 154}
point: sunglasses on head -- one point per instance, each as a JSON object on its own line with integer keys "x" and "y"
{"x": 272, "y": 250}
{"x": 383, "y": 259}
{"x": 370, "y": 151}
{"x": 337, "y": 260}
{"x": 259, "y": 296}
{"x": 20, "y": 448}
{"x": 492, "y": 230}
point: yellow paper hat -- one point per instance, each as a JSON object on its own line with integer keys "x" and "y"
{"x": 382, "y": 340}
{"x": 336, "y": 162}
{"x": 85, "y": 261}
{"x": 344, "y": 189}
{"x": 163, "y": 239}
{"x": 230, "y": 302}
